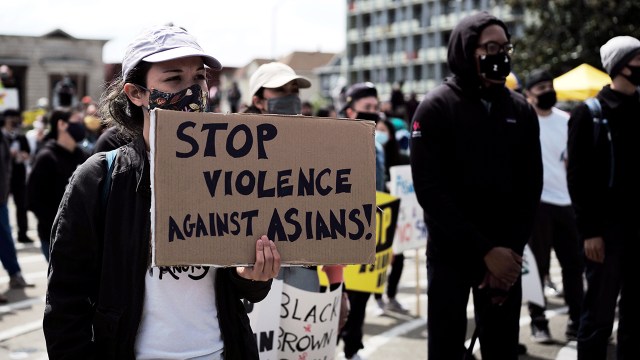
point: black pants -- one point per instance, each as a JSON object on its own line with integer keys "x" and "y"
{"x": 394, "y": 276}
{"x": 449, "y": 286}
{"x": 44, "y": 233}
{"x": 19, "y": 194}
{"x": 617, "y": 276}
{"x": 351, "y": 333}
{"x": 555, "y": 228}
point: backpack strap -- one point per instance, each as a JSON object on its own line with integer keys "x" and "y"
{"x": 106, "y": 187}
{"x": 596, "y": 113}
{"x": 600, "y": 121}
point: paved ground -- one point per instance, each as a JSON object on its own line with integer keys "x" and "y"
{"x": 388, "y": 335}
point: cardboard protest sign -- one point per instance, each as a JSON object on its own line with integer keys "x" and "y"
{"x": 305, "y": 327}
{"x": 411, "y": 232}
{"x": 308, "y": 324}
{"x": 372, "y": 278}
{"x": 220, "y": 181}
{"x": 9, "y": 99}
{"x": 531, "y": 285}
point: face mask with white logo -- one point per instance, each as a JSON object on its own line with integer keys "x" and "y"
{"x": 495, "y": 67}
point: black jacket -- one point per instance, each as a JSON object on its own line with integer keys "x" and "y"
{"x": 602, "y": 194}
{"x": 49, "y": 176}
{"x": 477, "y": 168}
{"x": 5, "y": 169}
{"x": 99, "y": 261}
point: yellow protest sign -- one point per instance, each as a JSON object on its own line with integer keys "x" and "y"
{"x": 372, "y": 278}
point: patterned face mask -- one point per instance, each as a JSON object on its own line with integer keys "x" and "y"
{"x": 191, "y": 99}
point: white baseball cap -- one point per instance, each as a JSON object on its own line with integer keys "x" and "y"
{"x": 273, "y": 75}
{"x": 162, "y": 43}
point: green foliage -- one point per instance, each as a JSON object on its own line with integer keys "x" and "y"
{"x": 566, "y": 33}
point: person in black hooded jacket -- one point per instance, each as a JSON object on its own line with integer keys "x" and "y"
{"x": 603, "y": 178}
{"x": 53, "y": 166}
{"x": 477, "y": 172}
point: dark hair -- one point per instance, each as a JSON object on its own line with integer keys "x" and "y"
{"x": 252, "y": 109}
{"x": 11, "y": 112}
{"x": 117, "y": 109}
{"x": 52, "y": 120}
{"x": 537, "y": 76}
{"x": 322, "y": 112}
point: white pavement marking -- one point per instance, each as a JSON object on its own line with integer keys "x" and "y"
{"x": 524, "y": 321}
{"x": 20, "y": 330}
{"x": 27, "y": 276}
{"x": 375, "y": 342}
{"x": 29, "y": 259}
{"x": 570, "y": 351}
{"x": 19, "y": 305}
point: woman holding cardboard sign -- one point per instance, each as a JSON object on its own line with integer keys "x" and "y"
{"x": 103, "y": 299}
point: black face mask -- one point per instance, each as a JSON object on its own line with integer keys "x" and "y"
{"x": 546, "y": 100}
{"x": 368, "y": 116}
{"x": 495, "y": 67}
{"x": 76, "y": 130}
{"x": 634, "y": 78}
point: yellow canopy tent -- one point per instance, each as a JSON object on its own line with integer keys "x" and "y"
{"x": 580, "y": 83}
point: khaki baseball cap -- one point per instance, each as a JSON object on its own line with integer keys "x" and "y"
{"x": 273, "y": 75}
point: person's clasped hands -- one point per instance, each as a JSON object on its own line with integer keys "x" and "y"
{"x": 504, "y": 267}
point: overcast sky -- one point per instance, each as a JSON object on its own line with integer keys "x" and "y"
{"x": 234, "y": 31}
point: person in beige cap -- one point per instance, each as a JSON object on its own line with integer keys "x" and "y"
{"x": 103, "y": 299}
{"x": 275, "y": 89}
{"x": 603, "y": 157}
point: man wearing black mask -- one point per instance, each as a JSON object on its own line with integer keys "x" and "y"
{"x": 555, "y": 221}
{"x": 362, "y": 103}
{"x": 477, "y": 173}
{"x": 603, "y": 180}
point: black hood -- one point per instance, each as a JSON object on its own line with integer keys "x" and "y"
{"x": 463, "y": 43}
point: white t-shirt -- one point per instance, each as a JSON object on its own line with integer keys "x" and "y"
{"x": 553, "y": 143}
{"x": 179, "y": 317}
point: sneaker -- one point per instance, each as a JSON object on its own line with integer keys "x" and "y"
{"x": 3, "y": 299}
{"x": 540, "y": 334}
{"x": 394, "y": 305}
{"x": 356, "y": 357}
{"x": 18, "y": 282}
{"x": 379, "y": 310}
{"x": 572, "y": 331}
{"x": 551, "y": 289}
{"x": 25, "y": 240}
